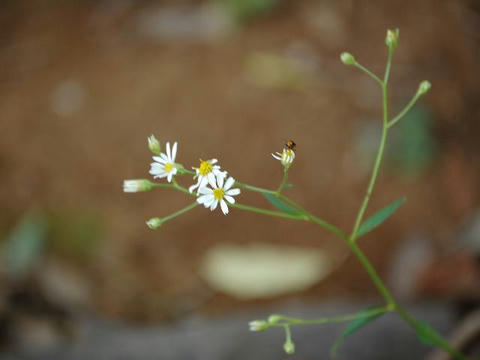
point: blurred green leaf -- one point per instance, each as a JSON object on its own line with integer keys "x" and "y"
{"x": 244, "y": 10}
{"x": 427, "y": 335}
{"x": 354, "y": 326}
{"x": 24, "y": 246}
{"x": 276, "y": 72}
{"x": 75, "y": 234}
{"x": 280, "y": 205}
{"x": 378, "y": 218}
{"x": 413, "y": 146}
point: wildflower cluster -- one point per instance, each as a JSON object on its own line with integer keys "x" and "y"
{"x": 212, "y": 186}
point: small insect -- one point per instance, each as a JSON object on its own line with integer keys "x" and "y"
{"x": 290, "y": 145}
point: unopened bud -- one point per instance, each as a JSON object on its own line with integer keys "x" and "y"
{"x": 137, "y": 185}
{"x": 424, "y": 87}
{"x": 392, "y": 38}
{"x": 258, "y": 325}
{"x": 273, "y": 319}
{"x": 289, "y": 347}
{"x": 154, "y": 145}
{"x": 347, "y": 58}
{"x": 154, "y": 223}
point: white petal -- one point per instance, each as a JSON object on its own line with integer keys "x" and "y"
{"x": 169, "y": 154}
{"x": 212, "y": 180}
{"x": 209, "y": 202}
{"x": 159, "y": 159}
{"x": 205, "y": 190}
{"x": 230, "y": 199}
{"x": 214, "y": 205}
{"x": 278, "y": 157}
{"x": 233, "y": 192}
{"x": 224, "y": 207}
{"x": 229, "y": 183}
{"x": 220, "y": 181}
{"x": 203, "y": 181}
{"x": 205, "y": 199}
{"x": 159, "y": 176}
{"x": 193, "y": 187}
{"x": 201, "y": 199}
{"x": 213, "y": 161}
{"x": 169, "y": 177}
{"x": 174, "y": 151}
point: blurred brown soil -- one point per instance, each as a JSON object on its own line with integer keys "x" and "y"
{"x": 198, "y": 95}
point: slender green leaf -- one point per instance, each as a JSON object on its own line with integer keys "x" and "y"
{"x": 280, "y": 205}
{"x": 427, "y": 335}
{"x": 356, "y": 325}
{"x": 378, "y": 218}
{"x": 24, "y": 246}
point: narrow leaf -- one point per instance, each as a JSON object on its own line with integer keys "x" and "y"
{"x": 378, "y": 218}
{"x": 356, "y": 325}
{"x": 280, "y": 205}
{"x": 427, "y": 335}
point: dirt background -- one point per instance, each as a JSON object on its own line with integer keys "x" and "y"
{"x": 69, "y": 161}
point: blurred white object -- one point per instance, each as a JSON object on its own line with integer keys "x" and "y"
{"x": 68, "y": 97}
{"x": 182, "y": 22}
{"x": 263, "y": 270}
{"x": 409, "y": 261}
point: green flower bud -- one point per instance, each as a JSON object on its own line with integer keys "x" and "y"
{"x": 289, "y": 347}
{"x": 154, "y": 145}
{"x": 392, "y": 38}
{"x": 424, "y": 87}
{"x": 154, "y": 223}
{"x": 347, "y": 58}
{"x": 273, "y": 319}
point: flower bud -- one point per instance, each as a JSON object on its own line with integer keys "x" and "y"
{"x": 154, "y": 145}
{"x": 154, "y": 223}
{"x": 258, "y": 325}
{"x": 347, "y": 58}
{"x": 289, "y": 347}
{"x": 273, "y": 319}
{"x": 392, "y": 38}
{"x": 424, "y": 87}
{"x": 137, "y": 185}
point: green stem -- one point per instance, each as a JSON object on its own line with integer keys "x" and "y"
{"x": 284, "y": 181}
{"x": 371, "y": 184}
{"x": 180, "y": 212}
{"x": 439, "y": 338}
{"x": 291, "y": 321}
{"x": 269, "y": 212}
{"x": 372, "y": 272}
{"x": 368, "y": 72}
{"x": 388, "y": 67}
{"x": 381, "y": 150}
{"x": 254, "y": 188}
{"x": 404, "y": 111}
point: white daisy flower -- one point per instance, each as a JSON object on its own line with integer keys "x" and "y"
{"x": 286, "y": 157}
{"x": 205, "y": 173}
{"x": 210, "y": 198}
{"x": 164, "y": 165}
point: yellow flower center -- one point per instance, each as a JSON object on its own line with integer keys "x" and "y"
{"x": 290, "y": 152}
{"x": 169, "y": 167}
{"x": 205, "y": 168}
{"x": 218, "y": 194}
